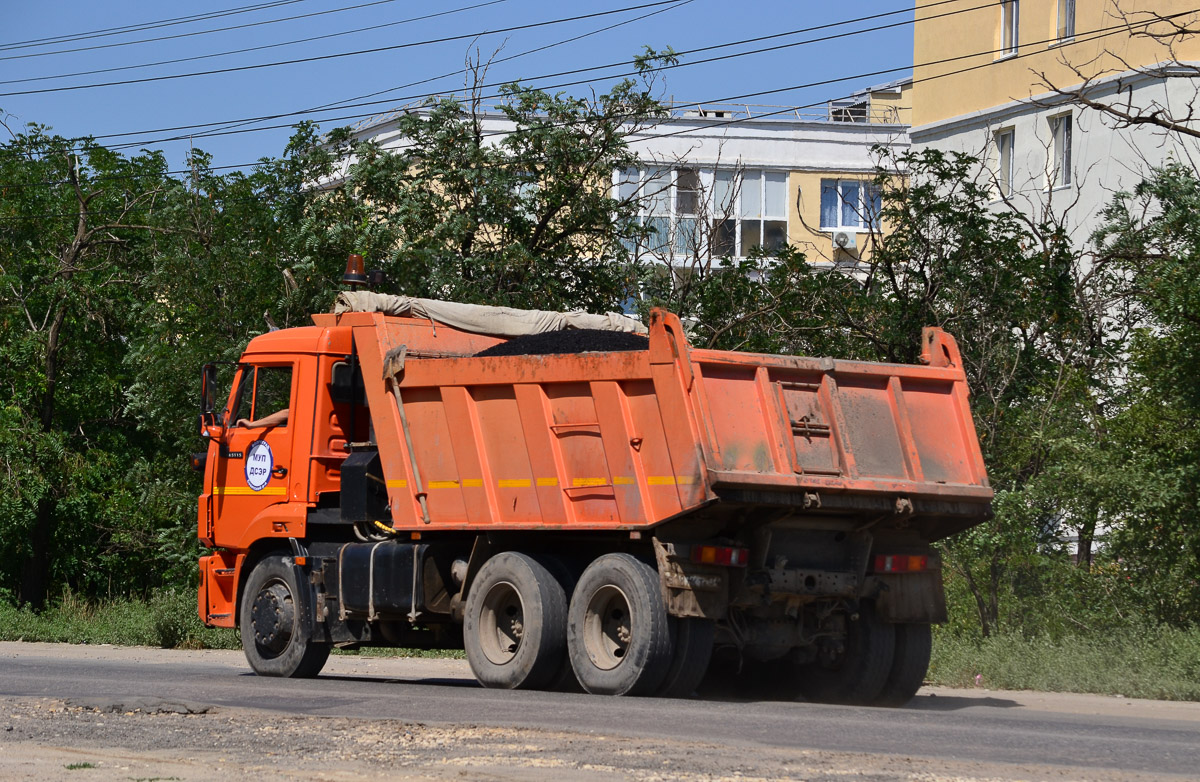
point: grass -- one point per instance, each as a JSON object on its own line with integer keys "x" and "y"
{"x": 167, "y": 620}
{"x": 1155, "y": 662}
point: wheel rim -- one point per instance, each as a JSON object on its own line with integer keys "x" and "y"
{"x": 273, "y": 617}
{"x": 607, "y": 627}
{"x": 501, "y": 623}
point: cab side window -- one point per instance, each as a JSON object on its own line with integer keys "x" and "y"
{"x": 262, "y": 391}
{"x": 272, "y": 391}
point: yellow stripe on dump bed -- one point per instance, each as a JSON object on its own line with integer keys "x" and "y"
{"x": 668, "y": 480}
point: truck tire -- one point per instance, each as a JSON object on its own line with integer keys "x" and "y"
{"x": 515, "y": 627}
{"x": 914, "y": 645}
{"x": 617, "y": 628}
{"x": 566, "y": 572}
{"x": 275, "y": 632}
{"x": 693, "y": 648}
{"x": 858, "y": 674}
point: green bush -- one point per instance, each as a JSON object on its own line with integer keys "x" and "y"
{"x": 1148, "y": 662}
{"x": 168, "y": 620}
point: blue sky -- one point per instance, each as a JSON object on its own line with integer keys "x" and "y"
{"x": 256, "y": 92}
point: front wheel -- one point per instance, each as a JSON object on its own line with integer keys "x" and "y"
{"x": 618, "y": 635}
{"x": 273, "y": 627}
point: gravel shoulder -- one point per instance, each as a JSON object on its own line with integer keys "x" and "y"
{"x": 145, "y": 738}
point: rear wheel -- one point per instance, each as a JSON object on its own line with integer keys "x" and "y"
{"x": 515, "y": 624}
{"x": 914, "y": 646}
{"x": 856, "y": 670}
{"x": 617, "y": 630}
{"x": 693, "y": 648}
{"x": 566, "y": 573}
{"x": 273, "y": 626}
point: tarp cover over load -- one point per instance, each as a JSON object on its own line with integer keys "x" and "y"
{"x": 483, "y": 319}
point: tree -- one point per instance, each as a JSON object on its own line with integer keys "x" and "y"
{"x": 522, "y": 218}
{"x": 77, "y": 222}
{"x": 1153, "y": 233}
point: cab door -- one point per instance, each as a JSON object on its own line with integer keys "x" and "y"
{"x": 255, "y": 458}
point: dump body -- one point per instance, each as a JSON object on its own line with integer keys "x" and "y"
{"x": 629, "y": 440}
{"x": 393, "y": 488}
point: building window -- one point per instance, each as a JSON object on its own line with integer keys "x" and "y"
{"x": 850, "y": 204}
{"x": 1004, "y": 162}
{"x": 1060, "y": 163}
{"x": 1066, "y": 20}
{"x": 739, "y": 210}
{"x": 762, "y": 211}
{"x": 1009, "y": 20}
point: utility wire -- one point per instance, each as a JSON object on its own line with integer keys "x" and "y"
{"x": 258, "y": 48}
{"x": 349, "y": 102}
{"x": 198, "y": 32}
{"x": 338, "y": 55}
{"x": 1095, "y": 35}
{"x": 620, "y": 63}
{"x": 1084, "y": 37}
{"x": 577, "y": 82}
{"x": 107, "y": 31}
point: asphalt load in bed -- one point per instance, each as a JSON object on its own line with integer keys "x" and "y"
{"x": 568, "y": 341}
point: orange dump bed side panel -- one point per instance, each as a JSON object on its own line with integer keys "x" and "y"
{"x": 626, "y": 440}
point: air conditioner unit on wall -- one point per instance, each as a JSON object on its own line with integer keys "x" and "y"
{"x": 844, "y": 240}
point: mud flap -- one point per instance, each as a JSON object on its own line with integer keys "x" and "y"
{"x": 690, "y": 589}
{"x": 911, "y": 598}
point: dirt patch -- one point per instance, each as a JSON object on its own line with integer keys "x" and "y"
{"x": 49, "y": 739}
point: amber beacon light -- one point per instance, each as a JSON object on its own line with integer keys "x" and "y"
{"x": 355, "y": 271}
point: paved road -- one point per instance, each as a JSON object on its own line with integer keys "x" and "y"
{"x": 1075, "y": 733}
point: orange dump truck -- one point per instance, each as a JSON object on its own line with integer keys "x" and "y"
{"x": 609, "y": 519}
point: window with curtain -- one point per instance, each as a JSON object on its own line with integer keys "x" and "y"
{"x": 850, "y": 204}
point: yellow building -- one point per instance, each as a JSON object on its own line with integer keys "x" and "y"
{"x": 1003, "y": 81}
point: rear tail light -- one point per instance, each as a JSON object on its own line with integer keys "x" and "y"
{"x": 901, "y": 563}
{"x": 721, "y": 555}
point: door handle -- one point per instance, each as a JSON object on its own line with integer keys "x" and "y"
{"x": 279, "y": 472}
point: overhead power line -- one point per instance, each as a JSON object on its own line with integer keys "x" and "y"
{"x": 1085, "y": 37}
{"x": 194, "y": 58}
{"x": 349, "y": 102}
{"x": 107, "y": 31}
{"x": 574, "y": 71}
{"x": 1081, "y": 37}
{"x": 338, "y": 55}
{"x": 198, "y": 32}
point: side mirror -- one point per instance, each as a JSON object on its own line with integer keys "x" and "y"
{"x": 208, "y": 394}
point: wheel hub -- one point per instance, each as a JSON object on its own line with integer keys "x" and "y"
{"x": 501, "y": 623}
{"x": 273, "y": 617}
{"x": 608, "y": 627}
